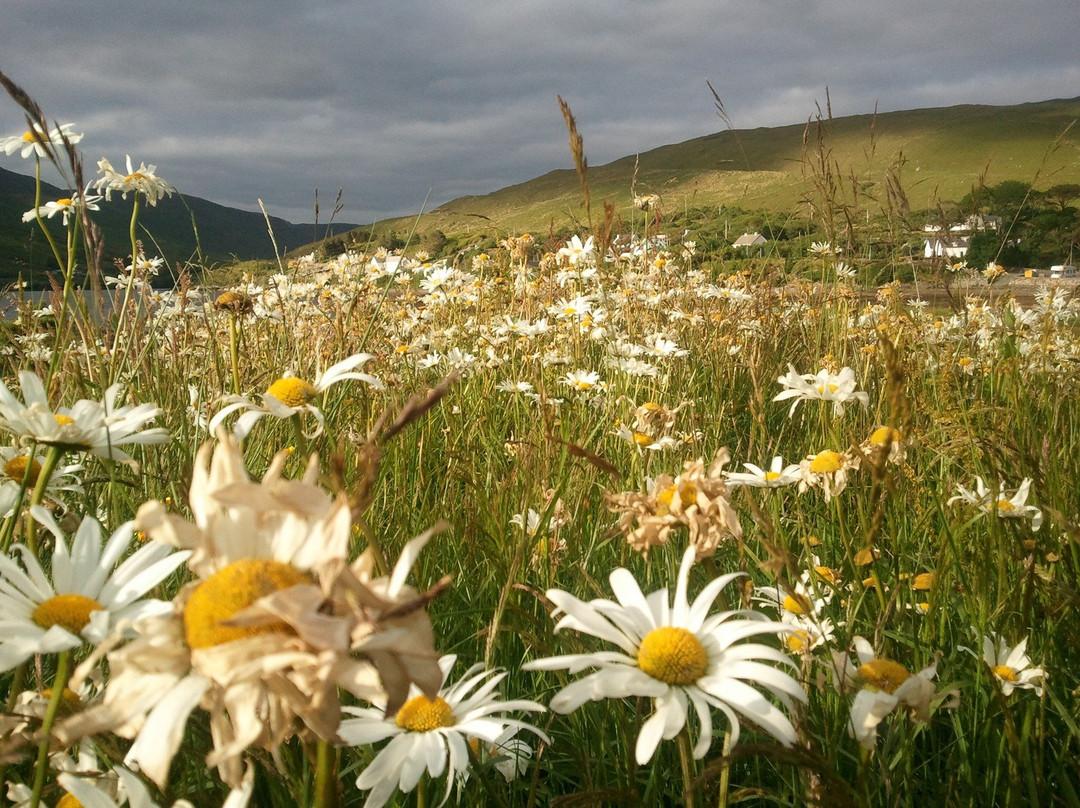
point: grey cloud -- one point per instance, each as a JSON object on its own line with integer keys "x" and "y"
{"x": 241, "y": 99}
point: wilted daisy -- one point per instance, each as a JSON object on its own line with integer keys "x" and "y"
{"x": 275, "y": 623}
{"x": 142, "y": 180}
{"x": 291, "y": 395}
{"x": 885, "y": 439}
{"x": 882, "y": 685}
{"x": 98, "y": 427}
{"x": 777, "y": 476}
{"x": 21, "y": 472}
{"x": 697, "y": 499}
{"x": 677, "y": 654}
{"x": 1001, "y": 504}
{"x": 37, "y": 142}
{"x": 1011, "y": 667}
{"x": 839, "y": 388}
{"x": 433, "y": 735}
{"x": 827, "y": 470}
{"x": 90, "y": 590}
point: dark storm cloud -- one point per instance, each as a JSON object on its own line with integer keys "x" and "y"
{"x": 236, "y": 100}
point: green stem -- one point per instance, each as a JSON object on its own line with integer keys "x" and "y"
{"x": 301, "y": 438}
{"x": 325, "y": 775}
{"x": 52, "y": 458}
{"x": 63, "y": 665}
{"x": 686, "y": 766}
{"x": 234, "y": 353}
{"x": 127, "y": 291}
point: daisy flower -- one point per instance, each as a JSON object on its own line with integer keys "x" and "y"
{"x": 882, "y": 686}
{"x": 66, "y": 207}
{"x": 291, "y": 395}
{"x": 577, "y": 253}
{"x": 1001, "y": 504}
{"x": 142, "y": 180}
{"x": 777, "y": 476}
{"x": 676, "y": 654}
{"x": 644, "y": 440}
{"x": 510, "y": 386}
{"x": 121, "y": 787}
{"x": 88, "y": 594}
{"x": 37, "y": 142}
{"x": 838, "y": 388}
{"x": 801, "y": 608}
{"x": 19, "y": 475}
{"x": 433, "y": 735}
{"x": 98, "y": 427}
{"x": 1011, "y": 667}
{"x": 581, "y": 380}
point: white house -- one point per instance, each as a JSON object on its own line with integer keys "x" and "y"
{"x": 749, "y": 240}
{"x": 949, "y": 247}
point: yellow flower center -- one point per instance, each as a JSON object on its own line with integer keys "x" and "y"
{"x": 687, "y": 495}
{"x": 33, "y": 137}
{"x": 964, "y": 361}
{"x": 832, "y": 388}
{"x": 883, "y": 674}
{"x": 651, "y": 406}
{"x": 772, "y": 475}
{"x": 797, "y": 604}
{"x": 827, "y": 462}
{"x": 672, "y": 655}
{"x": 924, "y": 581}
{"x": 1005, "y": 673}
{"x": 885, "y": 434}
{"x": 797, "y": 641}
{"x": 230, "y": 590}
{"x": 22, "y": 468}
{"x": 292, "y": 392}
{"x": 64, "y": 420}
{"x": 421, "y": 714}
{"x": 827, "y": 573}
{"x": 233, "y": 301}
{"x": 64, "y": 202}
{"x": 71, "y": 612}
{"x": 1004, "y": 506}
{"x": 69, "y": 801}
{"x": 641, "y": 439}
{"x": 135, "y": 175}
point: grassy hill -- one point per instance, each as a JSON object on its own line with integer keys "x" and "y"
{"x": 223, "y": 234}
{"x": 938, "y": 154}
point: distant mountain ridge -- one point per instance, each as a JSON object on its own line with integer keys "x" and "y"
{"x": 224, "y": 233}
{"x": 939, "y": 153}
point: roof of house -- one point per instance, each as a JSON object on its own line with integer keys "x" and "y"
{"x": 749, "y": 240}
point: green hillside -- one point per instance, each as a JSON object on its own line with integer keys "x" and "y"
{"x": 223, "y": 234}
{"x": 938, "y": 154}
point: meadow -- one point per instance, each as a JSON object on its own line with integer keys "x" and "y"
{"x": 533, "y": 527}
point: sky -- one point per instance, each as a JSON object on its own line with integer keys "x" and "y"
{"x": 406, "y": 104}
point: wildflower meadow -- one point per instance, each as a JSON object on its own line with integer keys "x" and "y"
{"x": 564, "y": 523}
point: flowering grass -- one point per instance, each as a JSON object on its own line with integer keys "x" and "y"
{"x": 563, "y": 417}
